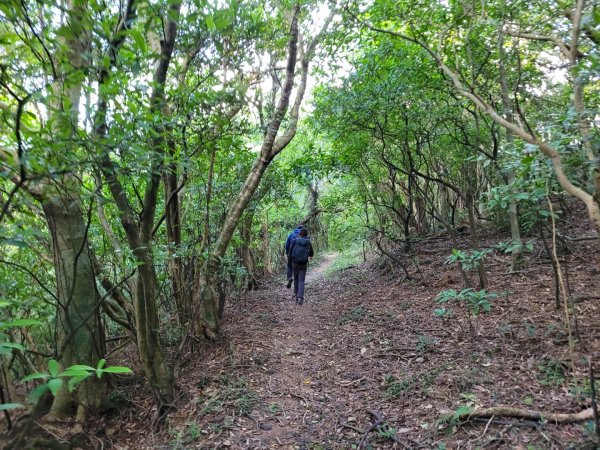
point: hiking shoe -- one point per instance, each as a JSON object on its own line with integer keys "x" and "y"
{"x": 290, "y": 281}
{"x": 299, "y": 301}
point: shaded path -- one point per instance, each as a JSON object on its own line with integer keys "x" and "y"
{"x": 308, "y": 377}
{"x": 313, "y": 387}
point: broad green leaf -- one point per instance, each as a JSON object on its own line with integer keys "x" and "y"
{"x": 53, "y": 367}
{"x": 54, "y": 385}
{"x": 81, "y": 367}
{"x": 73, "y": 382}
{"x": 210, "y": 23}
{"x": 35, "y": 376}
{"x": 37, "y": 392}
{"x": 76, "y": 373}
{"x": 11, "y": 345}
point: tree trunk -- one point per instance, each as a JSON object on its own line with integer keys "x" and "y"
{"x": 139, "y": 233}
{"x": 246, "y": 251}
{"x": 211, "y": 301}
{"x": 147, "y": 326}
{"x": 474, "y": 236}
{"x": 266, "y": 249}
{"x": 175, "y": 267}
{"x": 517, "y": 262}
{"x": 78, "y": 327}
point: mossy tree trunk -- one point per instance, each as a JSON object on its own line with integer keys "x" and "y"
{"x": 78, "y": 326}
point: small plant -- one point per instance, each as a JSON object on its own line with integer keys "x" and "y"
{"x": 245, "y": 402}
{"x": 553, "y": 372}
{"x": 452, "y": 419}
{"x": 354, "y": 315}
{"x": 469, "y": 396}
{"x": 467, "y": 260}
{"x": 417, "y": 382}
{"x": 386, "y": 432}
{"x": 510, "y": 245}
{"x": 425, "y": 343}
{"x": 274, "y": 408}
{"x": 472, "y": 301}
{"x": 54, "y": 378}
{"x": 193, "y": 432}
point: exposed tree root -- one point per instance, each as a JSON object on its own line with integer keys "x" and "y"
{"x": 507, "y": 411}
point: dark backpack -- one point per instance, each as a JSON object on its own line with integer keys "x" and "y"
{"x": 301, "y": 251}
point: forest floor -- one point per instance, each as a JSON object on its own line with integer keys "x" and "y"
{"x": 366, "y": 363}
{"x": 367, "y": 349}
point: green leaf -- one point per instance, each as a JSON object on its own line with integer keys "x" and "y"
{"x": 54, "y": 385}
{"x": 139, "y": 40}
{"x": 35, "y": 376}
{"x": 461, "y": 411}
{"x": 80, "y": 367}
{"x": 21, "y": 323}
{"x": 9, "y": 406}
{"x": 117, "y": 369}
{"x": 210, "y": 23}
{"x": 99, "y": 367}
{"x": 73, "y": 382}
{"x": 37, "y": 392}
{"x": 53, "y": 368}
{"x": 11, "y": 345}
{"x": 75, "y": 373}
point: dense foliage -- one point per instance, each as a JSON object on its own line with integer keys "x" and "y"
{"x": 155, "y": 155}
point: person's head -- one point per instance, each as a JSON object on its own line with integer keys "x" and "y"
{"x": 299, "y": 227}
{"x": 303, "y": 232}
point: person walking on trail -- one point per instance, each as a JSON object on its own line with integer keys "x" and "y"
{"x": 301, "y": 251}
{"x": 293, "y": 235}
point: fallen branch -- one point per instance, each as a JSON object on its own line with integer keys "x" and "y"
{"x": 507, "y": 411}
{"x": 378, "y": 421}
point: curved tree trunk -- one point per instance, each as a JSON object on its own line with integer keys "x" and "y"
{"x": 210, "y": 301}
{"x": 210, "y": 298}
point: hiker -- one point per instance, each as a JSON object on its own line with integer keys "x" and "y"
{"x": 293, "y": 235}
{"x": 301, "y": 251}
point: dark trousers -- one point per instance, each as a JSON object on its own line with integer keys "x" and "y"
{"x": 299, "y": 275}
{"x": 290, "y": 273}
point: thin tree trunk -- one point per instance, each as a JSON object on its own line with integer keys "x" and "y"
{"x": 474, "y": 236}
{"x": 246, "y": 251}
{"x": 517, "y": 262}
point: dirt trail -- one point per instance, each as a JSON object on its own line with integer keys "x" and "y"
{"x": 317, "y": 272}
{"x": 366, "y": 347}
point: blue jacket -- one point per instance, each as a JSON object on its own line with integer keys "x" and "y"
{"x": 293, "y": 235}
